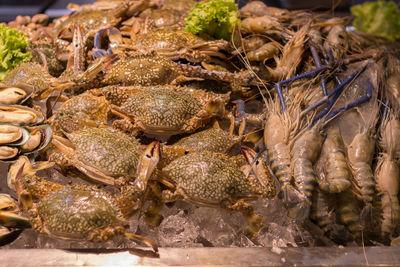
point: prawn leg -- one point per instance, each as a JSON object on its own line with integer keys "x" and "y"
{"x": 278, "y": 85}
{"x": 361, "y": 100}
{"x": 335, "y": 93}
{"x": 317, "y": 62}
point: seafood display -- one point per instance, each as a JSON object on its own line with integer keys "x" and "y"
{"x": 120, "y": 115}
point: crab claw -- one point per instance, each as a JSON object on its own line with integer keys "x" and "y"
{"x": 115, "y": 39}
{"x": 215, "y": 107}
{"x": 259, "y": 168}
{"x": 147, "y": 163}
{"x": 24, "y": 166}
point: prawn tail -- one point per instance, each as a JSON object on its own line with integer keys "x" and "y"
{"x": 299, "y": 210}
{"x": 366, "y": 216}
{"x": 337, "y": 186}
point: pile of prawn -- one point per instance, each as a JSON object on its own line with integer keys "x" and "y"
{"x": 335, "y": 154}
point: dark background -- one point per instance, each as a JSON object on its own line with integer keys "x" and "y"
{"x": 9, "y": 9}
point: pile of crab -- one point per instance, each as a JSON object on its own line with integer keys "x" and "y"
{"x": 121, "y": 97}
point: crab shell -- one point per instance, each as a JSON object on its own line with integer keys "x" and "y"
{"x": 169, "y": 110}
{"x": 100, "y": 152}
{"x": 209, "y": 178}
{"x": 213, "y": 140}
{"x": 175, "y": 44}
{"x": 141, "y": 70}
{"x": 87, "y": 215}
{"x": 80, "y": 111}
{"x": 29, "y": 74}
{"x": 88, "y": 19}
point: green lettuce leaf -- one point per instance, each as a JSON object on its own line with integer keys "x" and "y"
{"x": 381, "y": 18}
{"x": 12, "y": 49}
{"x": 216, "y": 18}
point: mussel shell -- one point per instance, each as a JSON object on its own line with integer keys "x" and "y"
{"x": 6, "y": 202}
{"x": 22, "y": 139}
{"x": 8, "y": 154}
{"x": 37, "y": 117}
{"x": 7, "y": 236}
{"x": 47, "y": 134}
{"x": 16, "y": 94}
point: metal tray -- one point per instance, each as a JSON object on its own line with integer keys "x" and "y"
{"x": 350, "y": 256}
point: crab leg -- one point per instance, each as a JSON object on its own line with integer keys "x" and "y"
{"x": 115, "y": 38}
{"x": 147, "y": 163}
{"x": 66, "y": 147}
{"x": 28, "y": 168}
{"x": 131, "y": 199}
{"x": 143, "y": 240}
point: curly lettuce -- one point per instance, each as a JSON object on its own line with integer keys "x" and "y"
{"x": 12, "y": 49}
{"x": 216, "y": 18}
{"x": 380, "y": 18}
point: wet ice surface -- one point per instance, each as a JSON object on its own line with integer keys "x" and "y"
{"x": 186, "y": 225}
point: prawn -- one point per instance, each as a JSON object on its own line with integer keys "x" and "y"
{"x": 337, "y": 172}
{"x": 388, "y": 177}
{"x": 279, "y": 130}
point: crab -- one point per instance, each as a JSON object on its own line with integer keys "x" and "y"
{"x": 104, "y": 155}
{"x": 36, "y": 78}
{"x": 165, "y": 110}
{"x": 212, "y": 179}
{"x": 53, "y": 55}
{"x": 79, "y": 212}
{"x": 176, "y": 44}
{"x": 213, "y": 139}
{"x": 170, "y": 15}
{"x": 152, "y": 19}
{"x": 78, "y": 112}
{"x": 93, "y": 19}
{"x": 151, "y": 69}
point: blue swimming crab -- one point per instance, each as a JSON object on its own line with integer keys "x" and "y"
{"x": 92, "y": 19}
{"x": 80, "y": 111}
{"x": 102, "y": 154}
{"x": 176, "y": 44}
{"x": 165, "y": 110}
{"x": 79, "y": 212}
{"x": 213, "y": 139}
{"x": 214, "y": 180}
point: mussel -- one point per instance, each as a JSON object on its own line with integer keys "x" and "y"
{"x": 13, "y": 135}
{"x": 40, "y": 137}
{"x": 8, "y": 153}
{"x": 16, "y": 94}
{"x": 20, "y": 115}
